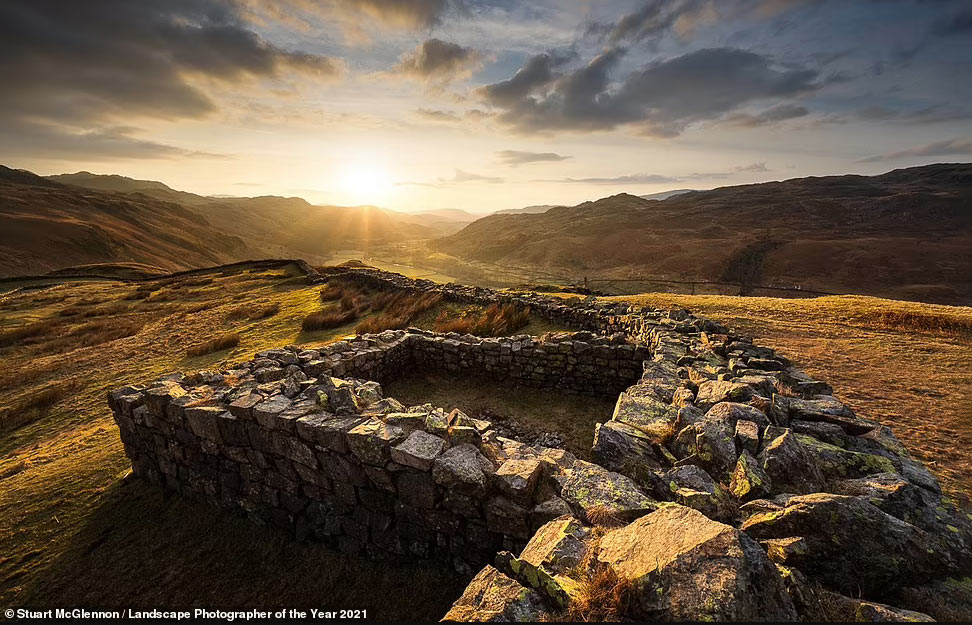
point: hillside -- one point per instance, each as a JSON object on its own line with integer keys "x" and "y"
{"x": 79, "y": 219}
{"x": 906, "y": 234}
{"x": 47, "y": 225}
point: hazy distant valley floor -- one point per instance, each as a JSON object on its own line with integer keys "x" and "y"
{"x": 72, "y": 530}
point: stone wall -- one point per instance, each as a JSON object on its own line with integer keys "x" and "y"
{"x": 728, "y": 484}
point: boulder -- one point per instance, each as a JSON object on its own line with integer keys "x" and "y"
{"x": 558, "y": 546}
{"x": 419, "y": 450}
{"x": 646, "y": 413}
{"x": 494, "y": 597}
{"x": 829, "y": 409}
{"x": 596, "y": 493}
{"x": 683, "y": 566}
{"x": 517, "y": 478}
{"x": 847, "y": 543}
{"x": 370, "y": 441}
{"x": 747, "y": 436}
{"x": 691, "y": 486}
{"x": 730, "y": 412}
{"x": 888, "y": 491}
{"x": 790, "y": 467}
{"x": 711, "y": 392}
{"x": 627, "y": 450}
{"x": 871, "y": 612}
{"x": 715, "y": 447}
{"x": 837, "y": 463}
{"x": 463, "y": 469}
{"x": 749, "y": 481}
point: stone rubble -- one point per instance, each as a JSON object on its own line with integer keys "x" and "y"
{"x": 726, "y": 485}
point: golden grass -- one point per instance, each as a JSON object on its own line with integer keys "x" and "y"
{"x": 496, "y": 320}
{"x": 222, "y": 342}
{"x": 397, "y": 310}
{"x": 327, "y": 319}
{"x": 253, "y": 313}
{"x": 36, "y": 404}
{"x": 905, "y": 364}
{"x": 73, "y": 531}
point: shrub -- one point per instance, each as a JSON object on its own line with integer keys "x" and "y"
{"x": 398, "y": 310}
{"x": 330, "y": 318}
{"x": 218, "y": 344}
{"x": 262, "y": 311}
{"x": 36, "y": 405}
{"x": 496, "y": 320}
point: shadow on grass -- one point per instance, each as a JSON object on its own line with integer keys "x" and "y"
{"x": 150, "y": 548}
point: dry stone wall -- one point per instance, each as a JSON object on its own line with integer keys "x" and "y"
{"x": 727, "y": 484}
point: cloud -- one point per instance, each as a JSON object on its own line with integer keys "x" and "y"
{"x": 435, "y": 59}
{"x": 632, "y": 179}
{"x": 112, "y": 143}
{"x": 99, "y": 64}
{"x": 949, "y": 147}
{"x": 516, "y": 157}
{"x": 645, "y": 179}
{"x": 661, "y": 99}
{"x": 437, "y": 115}
{"x": 415, "y": 14}
{"x": 653, "y": 19}
{"x": 772, "y": 115}
{"x": 459, "y": 177}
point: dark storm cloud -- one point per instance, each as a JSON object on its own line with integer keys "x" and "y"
{"x": 949, "y": 147}
{"x": 661, "y": 99}
{"x": 539, "y": 71}
{"x": 436, "y": 59}
{"x": 517, "y": 157}
{"x": 94, "y": 64}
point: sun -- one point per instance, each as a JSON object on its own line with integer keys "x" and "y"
{"x": 365, "y": 182}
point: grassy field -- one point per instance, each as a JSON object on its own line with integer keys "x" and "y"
{"x": 905, "y": 364}
{"x": 73, "y": 529}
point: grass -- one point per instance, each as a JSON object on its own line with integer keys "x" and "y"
{"x": 327, "y": 319}
{"x": 530, "y": 412}
{"x": 227, "y": 340}
{"x": 73, "y": 530}
{"x": 397, "y": 311}
{"x": 495, "y": 320}
{"x": 36, "y": 404}
{"x": 253, "y": 312}
{"x": 904, "y": 364}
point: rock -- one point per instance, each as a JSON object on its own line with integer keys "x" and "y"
{"x": 597, "y": 493}
{"x": 558, "y": 546}
{"x": 683, "y": 566}
{"x": 202, "y": 421}
{"x": 622, "y": 448}
{"x": 660, "y": 380}
{"x": 462, "y": 468}
{"x": 849, "y": 544}
{"x": 340, "y": 396}
{"x": 829, "y": 409}
{"x": 747, "y": 436}
{"x": 327, "y": 430}
{"x": 419, "y": 450}
{"x": 693, "y": 487}
{"x": 370, "y": 441}
{"x": 837, "y": 463}
{"x": 821, "y": 430}
{"x": 492, "y": 596}
{"x": 749, "y": 481}
{"x": 715, "y": 447}
{"x": 730, "y": 412}
{"x": 870, "y": 612}
{"x": 712, "y": 392}
{"x": 888, "y": 491}
{"x": 645, "y": 413}
{"x": 790, "y": 466}
{"x": 548, "y": 510}
{"x": 507, "y": 517}
{"x": 517, "y": 478}
{"x": 267, "y": 411}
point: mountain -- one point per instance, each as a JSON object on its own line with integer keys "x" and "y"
{"x": 443, "y": 220}
{"x": 664, "y": 195}
{"x": 48, "y": 225}
{"x": 80, "y": 219}
{"x": 526, "y": 210}
{"x": 904, "y": 234}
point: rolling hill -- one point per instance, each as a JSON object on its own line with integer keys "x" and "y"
{"x": 905, "y": 234}
{"x": 81, "y": 219}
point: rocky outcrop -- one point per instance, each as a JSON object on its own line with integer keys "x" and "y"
{"x": 726, "y": 484}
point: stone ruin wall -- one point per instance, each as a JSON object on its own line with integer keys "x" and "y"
{"x": 790, "y": 490}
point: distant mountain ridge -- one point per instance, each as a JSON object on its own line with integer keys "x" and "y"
{"x": 527, "y": 210}
{"x": 78, "y": 219}
{"x": 664, "y": 195}
{"x": 904, "y": 234}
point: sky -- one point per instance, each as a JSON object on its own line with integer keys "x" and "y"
{"x": 481, "y": 104}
